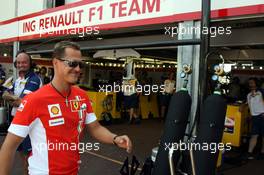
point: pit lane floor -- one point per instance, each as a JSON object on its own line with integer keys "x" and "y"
{"x": 108, "y": 159}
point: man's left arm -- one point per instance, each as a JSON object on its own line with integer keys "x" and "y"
{"x": 103, "y": 135}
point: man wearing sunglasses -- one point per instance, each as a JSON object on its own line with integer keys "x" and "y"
{"x": 57, "y": 113}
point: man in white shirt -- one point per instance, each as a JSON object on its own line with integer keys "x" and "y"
{"x": 256, "y": 106}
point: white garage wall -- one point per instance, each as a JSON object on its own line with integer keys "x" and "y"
{"x": 30, "y": 6}
{"x": 70, "y": 1}
{"x": 7, "y": 10}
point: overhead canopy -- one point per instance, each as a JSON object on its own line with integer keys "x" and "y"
{"x": 116, "y": 53}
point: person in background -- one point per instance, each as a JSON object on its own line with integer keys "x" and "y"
{"x": 26, "y": 83}
{"x": 262, "y": 83}
{"x": 2, "y": 80}
{"x": 2, "y": 73}
{"x": 43, "y": 75}
{"x": 234, "y": 93}
{"x": 50, "y": 73}
{"x": 169, "y": 89}
{"x": 131, "y": 99}
{"x": 256, "y": 106}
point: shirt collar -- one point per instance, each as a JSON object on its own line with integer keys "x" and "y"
{"x": 29, "y": 74}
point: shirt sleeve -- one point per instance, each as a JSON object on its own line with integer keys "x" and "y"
{"x": 23, "y": 118}
{"x": 90, "y": 115}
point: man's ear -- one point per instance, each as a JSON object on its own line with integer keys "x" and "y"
{"x": 54, "y": 61}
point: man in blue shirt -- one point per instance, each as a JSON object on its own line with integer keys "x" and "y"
{"x": 27, "y": 82}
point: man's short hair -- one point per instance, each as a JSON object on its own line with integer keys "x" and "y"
{"x": 59, "y": 49}
{"x": 28, "y": 55}
{"x": 23, "y": 51}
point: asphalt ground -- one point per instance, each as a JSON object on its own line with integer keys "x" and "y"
{"x": 108, "y": 159}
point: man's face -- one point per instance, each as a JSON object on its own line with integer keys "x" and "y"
{"x": 252, "y": 85}
{"x": 69, "y": 74}
{"x": 43, "y": 71}
{"x": 22, "y": 62}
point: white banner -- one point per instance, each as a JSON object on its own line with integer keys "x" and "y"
{"x": 90, "y": 18}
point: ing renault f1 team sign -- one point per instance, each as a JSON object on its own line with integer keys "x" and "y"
{"x": 91, "y": 16}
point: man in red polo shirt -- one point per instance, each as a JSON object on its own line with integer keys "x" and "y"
{"x": 56, "y": 115}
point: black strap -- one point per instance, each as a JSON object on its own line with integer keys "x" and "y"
{"x": 125, "y": 168}
{"x": 134, "y": 166}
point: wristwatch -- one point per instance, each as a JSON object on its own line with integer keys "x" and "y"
{"x": 114, "y": 140}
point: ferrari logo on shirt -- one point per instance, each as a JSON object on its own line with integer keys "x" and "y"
{"x": 75, "y": 105}
{"x": 54, "y": 110}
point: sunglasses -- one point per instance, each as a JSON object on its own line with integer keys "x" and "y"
{"x": 73, "y": 64}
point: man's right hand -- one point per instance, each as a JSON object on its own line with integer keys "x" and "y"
{"x": 16, "y": 102}
{"x": 9, "y": 97}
